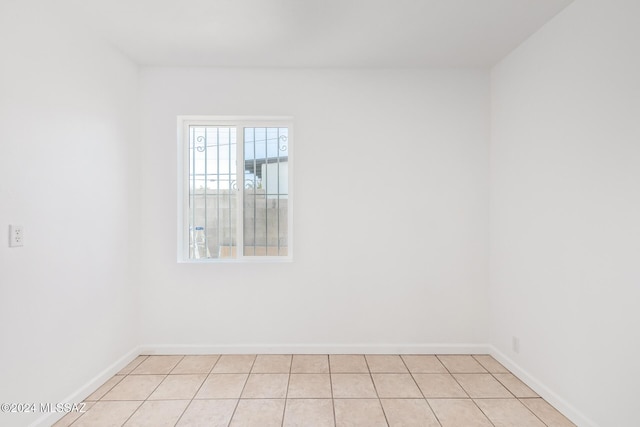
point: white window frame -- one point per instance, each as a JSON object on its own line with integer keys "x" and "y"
{"x": 239, "y": 122}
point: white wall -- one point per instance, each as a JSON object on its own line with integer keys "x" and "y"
{"x": 68, "y": 158}
{"x": 355, "y": 279}
{"x": 565, "y": 209}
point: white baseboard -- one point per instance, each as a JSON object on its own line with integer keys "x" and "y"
{"x": 86, "y": 390}
{"x": 545, "y": 392}
{"x": 317, "y": 349}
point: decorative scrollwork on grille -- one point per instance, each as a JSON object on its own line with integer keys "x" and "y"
{"x": 283, "y": 142}
{"x": 201, "y": 140}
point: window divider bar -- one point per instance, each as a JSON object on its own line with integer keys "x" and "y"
{"x": 218, "y": 187}
{"x": 192, "y": 229}
{"x": 278, "y": 189}
{"x": 204, "y": 197}
{"x": 229, "y": 192}
{"x": 240, "y": 201}
{"x": 266, "y": 186}
{"x": 255, "y": 187}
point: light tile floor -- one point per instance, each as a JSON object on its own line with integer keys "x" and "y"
{"x": 315, "y": 390}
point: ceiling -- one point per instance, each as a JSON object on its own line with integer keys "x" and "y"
{"x": 314, "y": 33}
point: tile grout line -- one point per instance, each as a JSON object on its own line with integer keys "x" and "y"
{"x": 190, "y": 400}
{"x": 146, "y": 357}
{"x": 124, "y": 375}
{"x": 463, "y": 389}
{"x": 176, "y": 365}
{"x": 530, "y": 410}
{"x": 154, "y": 390}
{"x": 470, "y": 398}
{"x": 511, "y": 392}
{"x": 243, "y": 387}
{"x": 286, "y": 396}
{"x": 147, "y": 398}
{"x": 375, "y": 389}
{"x": 483, "y": 413}
{"x": 417, "y": 385}
{"x": 198, "y": 390}
{"x": 507, "y": 388}
{"x": 454, "y": 378}
{"x": 333, "y": 400}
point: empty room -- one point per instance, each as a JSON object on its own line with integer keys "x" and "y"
{"x": 319, "y": 213}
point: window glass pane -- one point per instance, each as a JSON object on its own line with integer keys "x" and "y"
{"x": 212, "y": 192}
{"x": 266, "y": 151}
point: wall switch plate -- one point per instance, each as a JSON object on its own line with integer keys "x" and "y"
{"x": 16, "y": 236}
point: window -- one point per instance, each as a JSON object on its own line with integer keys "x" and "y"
{"x": 235, "y": 181}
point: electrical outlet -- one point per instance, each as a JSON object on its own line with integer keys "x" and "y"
{"x": 515, "y": 344}
{"x": 16, "y": 236}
